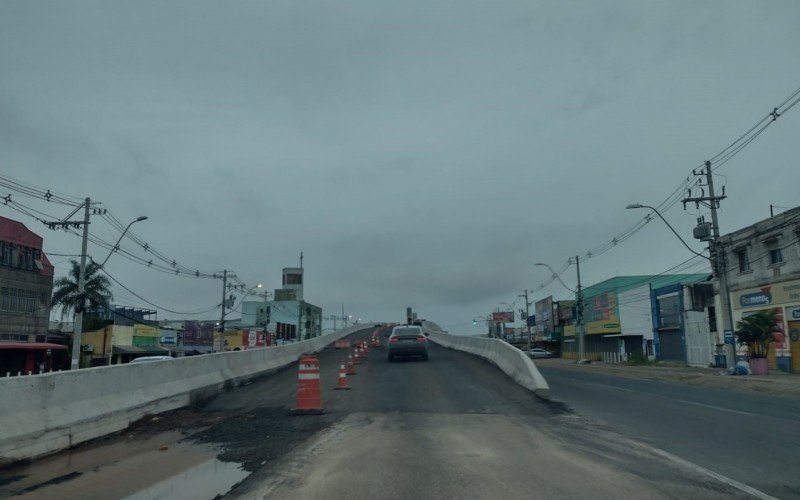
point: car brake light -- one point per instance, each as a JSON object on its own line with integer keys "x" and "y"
{"x": 421, "y": 338}
{"x": 393, "y": 340}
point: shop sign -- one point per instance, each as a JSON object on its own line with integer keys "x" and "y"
{"x": 775, "y": 293}
{"x": 761, "y": 298}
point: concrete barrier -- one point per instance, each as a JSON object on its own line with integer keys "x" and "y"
{"x": 515, "y": 363}
{"x": 41, "y": 414}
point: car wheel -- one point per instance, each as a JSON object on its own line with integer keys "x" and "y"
{"x": 425, "y": 357}
{"x": 391, "y": 358}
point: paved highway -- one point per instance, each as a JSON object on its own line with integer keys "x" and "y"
{"x": 747, "y": 436}
{"x": 452, "y": 427}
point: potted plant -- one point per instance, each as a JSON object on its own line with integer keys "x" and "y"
{"x": 757, "y": 333}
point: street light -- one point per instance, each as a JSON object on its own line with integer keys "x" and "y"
{"x": 116, "y": 245}
{"x": 579, "y": 328}
{"x": 639, "y": 205}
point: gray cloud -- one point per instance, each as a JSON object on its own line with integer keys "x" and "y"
{"x": 419, "y": 153}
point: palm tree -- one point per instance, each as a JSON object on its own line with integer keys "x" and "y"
{"x": 96, "y": 288}
{"x": 757, "y": 332}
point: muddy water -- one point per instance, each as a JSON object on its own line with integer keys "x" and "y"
{"x": 160, "y": 466}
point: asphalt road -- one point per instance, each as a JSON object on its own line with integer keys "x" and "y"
{"x": 750, "y": 437}
{"x": 452, "y": 427}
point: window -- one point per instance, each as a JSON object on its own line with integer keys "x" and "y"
{"x": 6, "y": 254}
{"x": 744, "y": 260}
{"x": 712, "y": 319}
{"x": 775, "y": 256}
{"x": 669, "y": 314}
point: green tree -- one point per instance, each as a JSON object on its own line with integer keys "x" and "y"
{"x": 96, "y": 289}
{"x": 757, "y": 332}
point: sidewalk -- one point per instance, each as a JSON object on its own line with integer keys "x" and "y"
{"x": 777, "y": 382}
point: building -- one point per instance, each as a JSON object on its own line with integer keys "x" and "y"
{"x": 763, "y": 271}
{"x": 288, "y": 317}
{"x": 119, "y": 334}
{"x": 26, "y": 283}
{"x": 685, "y": 323}
{"x": 618, "y": 316}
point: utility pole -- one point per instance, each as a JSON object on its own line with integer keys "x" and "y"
{"x": 717, "y": 253}
{"x": 224, "y": 308}
{"x": 581, "y": 333}
{"x": 527, "y": 315}
{"x": 78, "y": 329}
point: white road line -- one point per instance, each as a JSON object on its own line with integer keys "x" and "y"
{"x": 720, "y": 408}
{"x": 710, "y": 473}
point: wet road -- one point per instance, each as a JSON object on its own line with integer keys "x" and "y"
{"x": 747, "y": 436}
{"x": 452, "y": 427}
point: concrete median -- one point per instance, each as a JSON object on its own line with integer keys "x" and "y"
{"x": 515, "y": 363}
{"x": 42, "y": 414}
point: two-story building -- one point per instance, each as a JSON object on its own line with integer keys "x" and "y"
{"x": 26, "y": 283}
{"x": 763, "y": 271}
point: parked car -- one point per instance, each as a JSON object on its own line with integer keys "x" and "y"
{"x": 408, "y": 340}
{"x": 538, "y": 352}
{"x": 147, "y": 359}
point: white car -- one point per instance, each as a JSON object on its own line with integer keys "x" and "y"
{"x": 147, "y": 359}
{"x": 538, "y": 352}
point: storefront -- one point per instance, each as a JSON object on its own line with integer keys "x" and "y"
{"x": 784, "y": 299}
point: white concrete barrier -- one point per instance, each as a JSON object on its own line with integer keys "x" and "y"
{"x": 514, "y": 362}
{"x": 41, "y": 414}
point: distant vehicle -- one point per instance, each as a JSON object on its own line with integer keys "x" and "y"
{"x": 538, "y": 352}
{"x": 147, "y": 359}
{"x": 408, "y": 340}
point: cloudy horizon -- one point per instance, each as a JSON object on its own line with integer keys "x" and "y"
{"x": 421, "y": 154}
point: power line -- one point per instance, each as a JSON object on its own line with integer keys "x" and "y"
{"x": 154, "y": 304}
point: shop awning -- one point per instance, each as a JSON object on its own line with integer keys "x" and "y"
{"x": 133, "y": 349}
{"x": 31, "y": 345}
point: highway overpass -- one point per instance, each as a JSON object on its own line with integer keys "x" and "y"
{"x": 453, "y": 427}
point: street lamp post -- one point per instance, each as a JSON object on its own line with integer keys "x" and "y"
{"x": 580, "y": 331}
{"x": 114, "y": 249}
{"x": 116, "y": 245}
{"x": 718, "y": 266}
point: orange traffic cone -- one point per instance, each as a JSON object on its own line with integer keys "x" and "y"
{"x": 351, "y": 366}
{"x": 342, "y": 380}
{"x": 357, "y": 356}
{"x": 309, "y": 397}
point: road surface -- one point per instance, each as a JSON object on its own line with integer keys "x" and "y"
{"x": 452, "y": 427}
{"x": 750, "y": 437}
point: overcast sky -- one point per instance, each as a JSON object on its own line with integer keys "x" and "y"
{"x": 419, "y": 153}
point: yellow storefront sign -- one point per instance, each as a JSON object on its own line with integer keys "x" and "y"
{"x": 602, "y": 326}
{"x": 145, "y": 331}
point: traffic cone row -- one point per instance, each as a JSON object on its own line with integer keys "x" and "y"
{"x": 309, "y": 396}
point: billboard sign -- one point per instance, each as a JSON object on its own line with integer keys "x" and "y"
{"x": 196, "y": 332}
{"x": 544, "y": 314}
{"x": 503, "y": 316}
{"x": 254, "y": 338}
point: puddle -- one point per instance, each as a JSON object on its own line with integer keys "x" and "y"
{"x": 162, "y": 465}
{"x": 205, "y": 480}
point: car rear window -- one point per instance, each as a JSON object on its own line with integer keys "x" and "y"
{"x": 407, "y": 331}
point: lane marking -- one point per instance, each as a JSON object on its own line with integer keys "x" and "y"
{"x": 708, "y": 472}
{"x": 720, "y": 408}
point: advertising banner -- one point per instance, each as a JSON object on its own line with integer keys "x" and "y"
{"x": 602, "y": 314}
{"x": 253, "y": 338}
{"x": 198, "y": 333}
{"x": 779, "y": 293}
{"x": 545, "y": 322}
{"x": 503, "y": 317}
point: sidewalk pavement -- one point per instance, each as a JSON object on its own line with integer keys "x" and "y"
{"x": 776, "y": 382}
